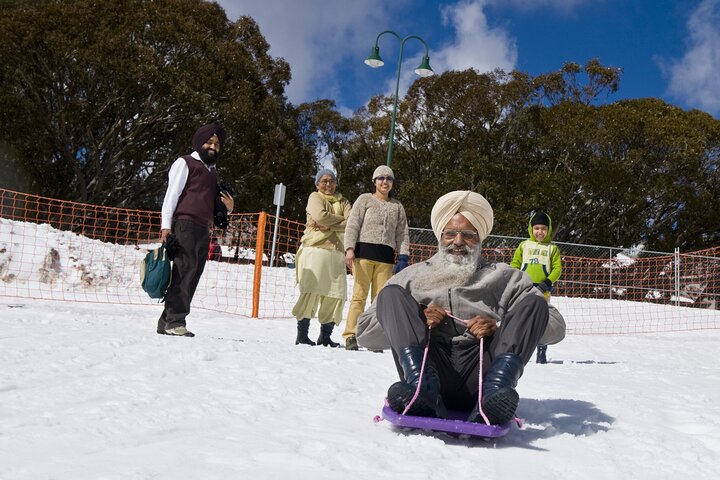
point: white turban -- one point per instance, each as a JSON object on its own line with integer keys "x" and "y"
{"x": 471, "y": 205}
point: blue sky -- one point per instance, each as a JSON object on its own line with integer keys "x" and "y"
{"x": 667, "y": 49}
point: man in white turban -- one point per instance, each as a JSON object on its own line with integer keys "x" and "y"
{"x": 471, "y": 205}
{"x": 452, "y": 301}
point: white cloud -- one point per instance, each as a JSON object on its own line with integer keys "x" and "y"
{"x": 475, "y": 44}
{"x": 315, "y": 37}
{"x": 695, "y": 78}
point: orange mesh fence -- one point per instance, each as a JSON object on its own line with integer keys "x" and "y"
{"x": 632, "y": 295}
{"x": 278, "y": 291}
{"x": 59, "y": 250}
{"x": 52, "y": 249}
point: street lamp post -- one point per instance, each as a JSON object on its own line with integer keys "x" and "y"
{"x": 423, "y": 70}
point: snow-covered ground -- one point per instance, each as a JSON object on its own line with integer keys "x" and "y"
{"x": 89, "y": 391}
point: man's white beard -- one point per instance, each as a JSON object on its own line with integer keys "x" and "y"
{"x": 450, "y": 270}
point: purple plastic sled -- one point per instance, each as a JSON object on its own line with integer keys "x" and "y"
{"x": 456, "y": 424}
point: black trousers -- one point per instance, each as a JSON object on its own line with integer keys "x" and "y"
{"x": 188, "y": 265}
{"x": 457, "y": 361}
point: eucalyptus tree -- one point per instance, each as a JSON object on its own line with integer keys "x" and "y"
{"x": 98, "y": 98}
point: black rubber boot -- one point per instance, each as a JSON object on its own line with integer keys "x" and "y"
{"x": 499, "y": 398}
{"x": 302, "y": 335}
{"x": 325, "y": 332}
{"x": 541, "y": 354}
{"x": 429, "y": 402}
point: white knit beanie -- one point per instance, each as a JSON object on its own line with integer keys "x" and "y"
{"x": 382, "y": 171}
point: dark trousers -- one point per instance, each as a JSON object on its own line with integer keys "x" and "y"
{"x": 188, "y": 265}
{"x": 457, "y": 361}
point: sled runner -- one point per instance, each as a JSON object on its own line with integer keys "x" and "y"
{"x": 455, "y": 424}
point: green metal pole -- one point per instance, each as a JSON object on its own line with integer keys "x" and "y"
{"x": 391, "y": 139}
{"x": 395, "y": 105}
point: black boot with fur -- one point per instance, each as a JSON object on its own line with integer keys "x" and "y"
{"x": 541, "y": 354}
{"x": 302, "y": 333}
{"x": 324, "y": 339}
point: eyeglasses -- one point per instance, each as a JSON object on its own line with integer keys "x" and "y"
{"x": 326, "y": 181}
{"x": 465, "y": 234}
{"x": 388, "y": 178}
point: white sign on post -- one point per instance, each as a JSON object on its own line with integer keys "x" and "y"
{"x": 279, "y": 200}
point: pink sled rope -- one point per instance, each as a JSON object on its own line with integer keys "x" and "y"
{"x": 455, "y": 423}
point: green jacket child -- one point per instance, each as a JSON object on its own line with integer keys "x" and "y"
{"x": 538, "y": 256}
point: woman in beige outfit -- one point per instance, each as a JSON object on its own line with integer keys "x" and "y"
{"x": 320, "y": 268}
{"x": 376, "y": 231}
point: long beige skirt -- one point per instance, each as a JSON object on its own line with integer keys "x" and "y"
{"x": 322, "y": 280}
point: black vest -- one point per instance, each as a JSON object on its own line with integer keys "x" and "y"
{"x": 197, "y": 199}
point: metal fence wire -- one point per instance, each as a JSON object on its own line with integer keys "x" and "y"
{"x": 59, "y": 250}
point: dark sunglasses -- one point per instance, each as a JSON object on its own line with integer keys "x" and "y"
{"x": 388, "y": 178}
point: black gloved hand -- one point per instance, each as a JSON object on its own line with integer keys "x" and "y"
{"x": 171, "y": 246}
{"x": 226, "y": 187}
{"x": 545, "y": 286}
{"x": 220, "y": 215}
{"x": 220, "y": 211}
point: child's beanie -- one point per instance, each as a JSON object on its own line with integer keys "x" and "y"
{"x": 540, "y": 218}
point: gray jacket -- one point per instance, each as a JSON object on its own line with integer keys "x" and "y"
{"x": 492, "y": 290}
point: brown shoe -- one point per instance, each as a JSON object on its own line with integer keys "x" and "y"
{"x": 351, "y": 343}
{"x": 179, "y": 332}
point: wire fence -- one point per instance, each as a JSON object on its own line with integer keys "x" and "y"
{"x": 53, "y": 249}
